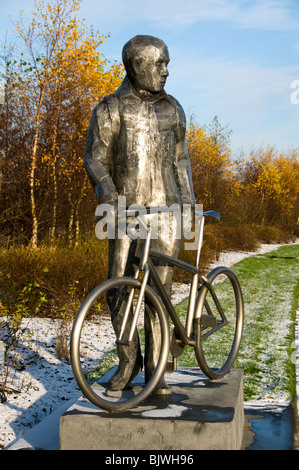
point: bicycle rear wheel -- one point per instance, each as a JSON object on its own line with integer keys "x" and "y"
{"x": 93, "y": 362}
{"x": 221, "y": 323}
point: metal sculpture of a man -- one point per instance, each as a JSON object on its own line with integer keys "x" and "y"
{"x": 136, "y": 148}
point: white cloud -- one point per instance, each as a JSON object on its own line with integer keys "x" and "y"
{"x": 249, "y": 14}
{"x": 252, "y": 98}
{"x": 175, "y": 13}
{"x": 266, "y": 14}
{"x": 237, "y": 81}
{"x": 254, "y": 14}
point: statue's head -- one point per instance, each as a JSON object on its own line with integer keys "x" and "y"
{"x": 145, "y": 59}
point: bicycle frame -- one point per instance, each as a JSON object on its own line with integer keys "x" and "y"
{"x": 201, "y": 321}
{"x": 147, "y": 266}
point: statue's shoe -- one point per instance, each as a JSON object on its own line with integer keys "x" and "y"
{"x": 124, "y": 375}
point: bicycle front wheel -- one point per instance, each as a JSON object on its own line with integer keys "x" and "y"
{"x": 220, "y": 327}
{"x": 94, "y": 356}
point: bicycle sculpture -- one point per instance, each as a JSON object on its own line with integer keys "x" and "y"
{"x": 213, "y": 326}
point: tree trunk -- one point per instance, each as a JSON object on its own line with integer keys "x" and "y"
{"x": 54, "y": 219}
{"x": 77, "y": 222}
{"x": 33, "y": 168}
{"x": 71, "y": 222}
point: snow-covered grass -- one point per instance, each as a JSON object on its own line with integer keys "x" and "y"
{"x": 43, "y": 382}
{"x": 270, "y": 285}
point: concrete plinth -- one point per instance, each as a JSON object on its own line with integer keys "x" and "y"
{"x": 199, "y": 414}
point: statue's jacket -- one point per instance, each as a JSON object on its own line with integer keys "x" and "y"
{"x": 136, "y": 148}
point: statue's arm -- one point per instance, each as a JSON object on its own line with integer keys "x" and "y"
{"x": 181, "y": 163}
{"x": 98, "y": 159}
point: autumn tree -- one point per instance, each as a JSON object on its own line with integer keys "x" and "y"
{"x": 288, "y": 167}
{"x": 269, "y": 181}
{"x": 41, "y": 39}
{"x": 212, "y": 167}
{"x": 57, "y": 76}
{"x": 15, "y": 135}
{"x": 80, "y": 77}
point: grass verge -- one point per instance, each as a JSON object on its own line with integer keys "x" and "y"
{"x": 270, "y": 285}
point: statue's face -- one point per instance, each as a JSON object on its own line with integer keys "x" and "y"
{"x": 150, "y": 68}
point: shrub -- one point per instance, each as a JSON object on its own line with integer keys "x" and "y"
{"x": 239, "y": 238}
{"x": 54, "y": 269}
{"x": 270, "y": 234}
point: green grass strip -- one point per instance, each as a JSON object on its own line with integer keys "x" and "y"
{"x": 270, "y": 285}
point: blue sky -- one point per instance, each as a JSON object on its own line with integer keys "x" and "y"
{"x": 236, "y": 59}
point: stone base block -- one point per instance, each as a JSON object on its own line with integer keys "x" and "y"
{"x": 199, "y": 414}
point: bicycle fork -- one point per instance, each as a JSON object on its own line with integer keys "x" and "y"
{"x": 135, "y": 310}
{"x": 143, "y": 267}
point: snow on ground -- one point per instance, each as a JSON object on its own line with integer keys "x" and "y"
{"x": 44, "y": 382}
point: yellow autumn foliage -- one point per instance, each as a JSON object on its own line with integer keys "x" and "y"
{"x": 213, "y": 171}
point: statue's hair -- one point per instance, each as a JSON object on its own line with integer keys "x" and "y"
{"x": 137, "y": 44}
